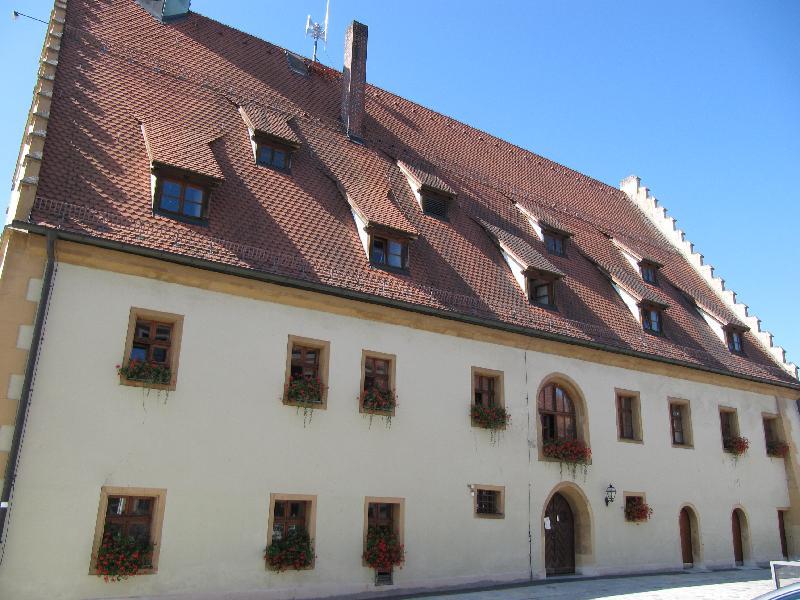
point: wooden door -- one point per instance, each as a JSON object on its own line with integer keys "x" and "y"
{"x": 685, "y": 524}
{"x": 736, "y": 526}
{"x": 559, "y": 537}
{"x": 782, "y": 531}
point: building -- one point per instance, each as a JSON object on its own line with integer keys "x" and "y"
{"x": 340, "y": 298}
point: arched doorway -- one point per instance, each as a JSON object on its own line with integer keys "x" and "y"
{"x": 687, "y": 549}
{"x": 559, "y": 537}
{"x": 740, "y": 536}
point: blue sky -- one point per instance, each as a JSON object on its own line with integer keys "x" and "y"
{"x": 700, "y": 99}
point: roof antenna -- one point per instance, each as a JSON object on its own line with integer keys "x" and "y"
{"x": 317, "y": 31}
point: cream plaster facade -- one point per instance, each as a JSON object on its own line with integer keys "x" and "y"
{"x": 223, "y": 441}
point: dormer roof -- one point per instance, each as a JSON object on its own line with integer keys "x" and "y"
{"x": 271, "y": 124}
{"x": 524, "y": 253}
{"x": 182, "y": 147}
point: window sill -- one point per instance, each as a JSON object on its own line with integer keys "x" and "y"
{"x": 547, "y": 459}
{"x": 150, "y": 571}
{"x": 270, "y": 569}
{"x": 167, "y": 387}
{"x": 490, "y": 516}
{"x": 684, "y": 446}
{"x": 630, "y": 440}
{"x": 379, "y": 413}
{"x": 476, "y": 426}
{"x": 321, "y": 405}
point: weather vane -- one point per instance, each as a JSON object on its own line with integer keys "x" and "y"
{"x": 318, "y": 32}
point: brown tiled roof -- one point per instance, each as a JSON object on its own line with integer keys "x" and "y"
{"x": 269, "y": 122}
{"x": 427, "y": 179}
{"x": 119, "y": 67}
{"x": 181, "y": 145}
{"x": 528, "y": 256}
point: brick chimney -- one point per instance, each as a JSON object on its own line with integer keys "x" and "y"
{"x": 354, "y": 80}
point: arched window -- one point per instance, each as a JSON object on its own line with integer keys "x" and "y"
{"x": 557, "y": 413}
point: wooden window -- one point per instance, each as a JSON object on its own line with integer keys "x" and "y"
{"x": 555, "y": 242}
{"x": 389, "y": 252}
{"x": 182, "y": 198}
{"x": 291, "y": 512}
{"x": 307, "y": 360}
{"x": 384, "y": 513}
{"x": 541, "y": 291}
{"x": 729, "y": 425}
{"x": 734, "y": 340}
{"x": 649, "y": 271}
{"x": 632, "y": 500}
{"x": 629, "y": 426}
{"x": 680, "y": 423}
{"x": 378, "y": 374}
{"x": 557, "y": 414}
{"x": 488, "y": 501}
{"x": 136, "y": 513}
{"x": 652, "y": 319}
{"x": 771, "y": 430}
{"x": 434, "y": 204}
{"x": 153, "y": 337}
{"x": 274, "y": 155}
{"x": 487, "y": 387}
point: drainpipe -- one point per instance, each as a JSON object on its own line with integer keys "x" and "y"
{"x": 25, "y": 397}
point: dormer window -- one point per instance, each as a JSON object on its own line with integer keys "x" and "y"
{"x": 434, "y": 204}
{"x": 388, "y": 252}
{"x": 649, "y": 272}
{"x": 541, "y": 290}
{"x": 273, "y": 155}
{"x": 556, "y": 243}
{"x": 734, "y": 339}
{"x": 178, "y": 196}
{"x": 652, "y": 319}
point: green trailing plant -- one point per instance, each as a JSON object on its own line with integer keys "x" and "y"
{"x": 295, "y": 551}
{"x": 305, "y": 393}
{"x": 637, "y": 510}
{"x": 569, "y": 453}
{"x": 378, "y": 402}
{"x": 122, "y": 556}
{"x": 383, "y": 550}
{"x": 778, "y": 449}
{"x": 494, "y": 418}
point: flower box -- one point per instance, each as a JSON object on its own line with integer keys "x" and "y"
{"x": 378, "y": 401}
{"x": 295, "y": 552}
{"x": 383, "y": 549}
{"x": 778, "y": 449}
{"x": 736, "y": 445}
{"x": 567, "y": 451}
{"x": 303, "y": 391}
{"x": 637, "y": 510}
{"x": 120, "y": 557}
{"x": 490, "y": 417}
{"x": 147, "y": 373}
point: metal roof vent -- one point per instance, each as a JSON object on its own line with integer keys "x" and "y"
{"x": 166, "y": 10}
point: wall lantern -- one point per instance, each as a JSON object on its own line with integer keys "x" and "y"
{"x": 611, "y": 493}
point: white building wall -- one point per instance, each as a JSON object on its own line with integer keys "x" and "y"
{"x": 223, "y": 441}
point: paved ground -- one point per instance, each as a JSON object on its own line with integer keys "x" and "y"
{"x": 718, "y": 585}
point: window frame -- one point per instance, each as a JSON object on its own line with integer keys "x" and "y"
{"x": 501, "y": 501}
{"x": 323, "y": 366}
{"x": 162, "y": 173}
{"x": 554, "y": 235}
{"x": 625, "y": 496}
{"x": 736, "y": 431}
{"x": 533, "y": 281}
{"x": 777, "y": 426}
{"x": 145, "y": 314}
{"x": 686, "y": 422}
{"x": 387, "y": 238}
{"x": 392, "y": 374}
{"x": 647, "y": 265}
{"x": 730, "y": 332}
{"x": 644, "y": 311}
{"x": 311, "y": 521}
{"x": 499, "y": 391}
{"x": 398, "y": 520}
{"x": 636, "y": 416}
{"x": 261, "y": 140}
{"x": 156, "y": 523}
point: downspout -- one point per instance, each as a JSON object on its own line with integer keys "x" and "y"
{"x": 25, "y": 396}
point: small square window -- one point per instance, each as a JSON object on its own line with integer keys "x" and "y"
{"x": 555, "y": 243}
{"x": 489, "y": 501}
{"x": 389, "y": 252}
{"x": 652, "y": 319}
{"x": 152, "y": 348}
{"x": 132, "y": 515}
{"x": 273, "y": 155}
{"x": 181, "y": 198}
{"x": 541, "y": 291}
{"x": 649, "y": 271}
{"x": 734, "y": 340}
{"x": 636, "y": 508}
{"x": 292, "y": 523}
{"x": 306, "y": 380}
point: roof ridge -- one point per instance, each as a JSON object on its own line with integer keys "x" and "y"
{"x": 657, "y": 213}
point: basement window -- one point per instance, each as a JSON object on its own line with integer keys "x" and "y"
{"x": 489, "y": 501}
{"x": 388, "y": 252}
{"x": 652, "y": 319}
